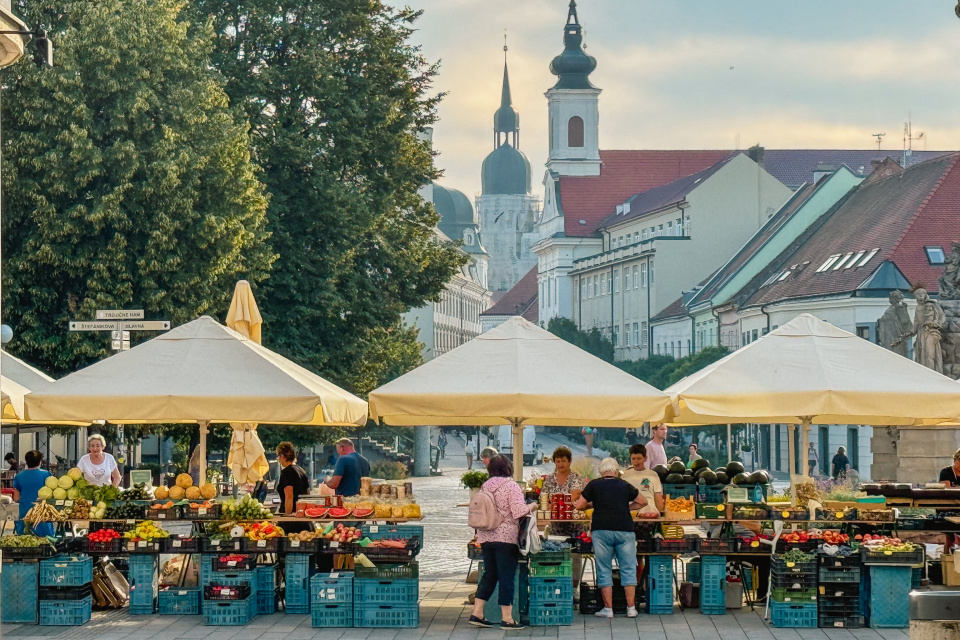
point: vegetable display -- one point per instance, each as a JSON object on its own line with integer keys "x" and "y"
{"x": 43, "y": 512}
{"x": 26, "y": 541}
{"x": 246, "y": 508}
{"x": 146, "y": 530}
{"x": 123, "y": 511}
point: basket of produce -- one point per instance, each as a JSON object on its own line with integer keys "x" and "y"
{"x": 206, "y": 510}
{"x": 392, "y": 549}
{"x": 680, "y": 508}
{"x": 21, "y": 547}
{"x": 674, "y": 545}
{"x": 180, "y": 544}
{"x": 145, "y": 537}
{"x": 339, "y": 538}
{"x": 790, "y": 514}
{"x": 262, "y": 537}
{"x": 246, "y": 509}
{"x": 794, "y": 562}
{"x": 302, "y": 542}
{"x": 836, "y": 515}
{"x": 103, "y": 541}
{"x": 81, "y": 509}
{"x": 754, "y": 544}
{"x": 214, "y": 591}
{"x": 876, "y": 515}
{"x": 716, "y": 546}
{"x": 125, "y": 511}
{"x": 749, "y": 512}
{"x": 800, "y": 540}
{"x": 234, "y": 562}
{"x": 168, "y": 510}
{"x": 884, "y": 550}
{"x": 712, "y": 510}
{"x": 43, "y": 511}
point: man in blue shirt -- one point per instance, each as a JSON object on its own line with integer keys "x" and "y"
{"x": 26, "y": 485}
{"x": 351, "y": 466}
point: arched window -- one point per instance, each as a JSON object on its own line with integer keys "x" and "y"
{"x": 575, "y": 132}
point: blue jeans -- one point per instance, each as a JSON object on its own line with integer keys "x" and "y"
{"x": 499, "y": 566}
{"x": 623, "y": 544}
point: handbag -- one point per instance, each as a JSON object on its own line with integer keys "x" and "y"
{"x": 529, "y": 541}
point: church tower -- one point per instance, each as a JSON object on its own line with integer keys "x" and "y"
{"x": 573, "y": 106}
{"x": 508, "y": 211}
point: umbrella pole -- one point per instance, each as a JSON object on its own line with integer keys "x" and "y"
{"x": 729, "y": 444}
{"x": 204, "y": 427}
{"x": 791, "y": 456}
{"x": 517, "y": 425}
{"x": 805, "y": 440}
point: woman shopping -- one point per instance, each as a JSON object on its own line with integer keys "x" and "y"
{"x": 612, "y": 532}
{"x": 26, "y": 486}
{"x": 98, "y": 466}
{"x": 499, "y": 546}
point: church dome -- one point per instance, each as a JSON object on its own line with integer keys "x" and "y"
{"x": 506, "y": 171}
{"x": 454, "y": 208}
{"x": 573, "y": 66}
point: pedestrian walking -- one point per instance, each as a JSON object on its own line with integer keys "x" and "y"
{"x": 468, "y": 449}
{"x": 588, "y": 439}
{"x": 442, "y": 444}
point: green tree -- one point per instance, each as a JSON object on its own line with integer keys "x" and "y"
{"x": 335, "y": 95}
{"x": 128, "y": 180}
{"x": 591, "y": 341}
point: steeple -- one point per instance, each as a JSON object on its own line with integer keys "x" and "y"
{"x": 573, "y": 66}
{"x": 506, "y": 120}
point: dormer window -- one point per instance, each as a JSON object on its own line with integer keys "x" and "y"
{"x": 935, "y": 255}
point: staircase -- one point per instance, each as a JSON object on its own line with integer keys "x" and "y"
{"x": 385, "y": 450}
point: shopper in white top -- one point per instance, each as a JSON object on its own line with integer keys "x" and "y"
{"x": 98, "y": 466}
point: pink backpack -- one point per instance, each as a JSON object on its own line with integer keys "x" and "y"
{"x": 483, "y": 514}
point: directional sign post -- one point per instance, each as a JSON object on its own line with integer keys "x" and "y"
{"x": 119, "y": 322}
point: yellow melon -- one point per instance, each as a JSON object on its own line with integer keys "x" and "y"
{"x": 177, "y": 493}
{"x": 208, "y": 491}
{"x": 161, "y": 493}
{"x": 184, "y": 480}
{"x": 193, "y": 493}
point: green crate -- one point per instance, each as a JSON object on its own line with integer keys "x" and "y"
{"x": 551, "y": 565}
{"x": 796, "y": 596}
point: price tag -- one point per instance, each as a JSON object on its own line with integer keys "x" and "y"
{"x": 786, "y": 599}
{"x": 888, "y": 553}
{"x": 335, "y": 574}
{"x": 334, "y": 544}
{"x": 227, "y": 592}
{"x": 131, "y": 522}
{"x": 68, "y": 503}
{"x": 161, "y": 516}
{"x": 59, "y": 503}
{"x": 294, "y": 543}
{"x": 215, "y": 543}
{"x": 374, "y": 528}
{"x": 177, "y": 544}
{"x": 785, "y": 514}
{"x": 202, "y": 511}
{"x": 557, "y": 591}
{"x": 231, "y": 563}
{"x": 261, "y": 544}
{"x": 839, "y": 515}
{"x": 755, "y": 543}
{"x": 142, "y": 544}
{"x": 790, "y": 564}
{"x": 182, "y": 593}
{"x": 838, "y": 624}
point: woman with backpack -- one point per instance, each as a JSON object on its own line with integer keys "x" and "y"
{"x": 494, "y": 513}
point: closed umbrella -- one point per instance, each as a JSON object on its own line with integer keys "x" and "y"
{"x": 246, "y": 460}
{"x": 518, "y": 374}
{"x": 810, "y": 372}
{"x": 200, "y": 372}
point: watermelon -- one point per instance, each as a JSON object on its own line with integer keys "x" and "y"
{"x": 315, "y": 512}
{"x": 338, "y": 512}
{"x": 363, "y": 513}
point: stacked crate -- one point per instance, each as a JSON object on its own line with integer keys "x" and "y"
{"x": 550, "y": 589}
{"x": 660, "y": 584}
{"x": 144, "y": 579}
{"x": 491, "y": 610}
{"x": 838, "y": 592}
{"x": 66, "y": 590}
{"x": 267, "y": 591}
{"x": 214, "y": 570}
{"x": 387, "y": 595}
{"x": 331, "y": 599}
{"x": 793, "y": 593}
{"x": 298, "y": 569}
{"x": 713, "y": 581}
{"x": 19, "y": 589}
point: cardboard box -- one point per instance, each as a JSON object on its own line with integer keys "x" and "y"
{"x": 950, "y": 577}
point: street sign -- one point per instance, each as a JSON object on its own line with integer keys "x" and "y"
{"x": 146, "y": 325}
{"x": 94, "y": 325}
{"x": 119, "y": 314}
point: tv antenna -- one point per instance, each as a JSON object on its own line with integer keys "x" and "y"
{"x": 879, "y": 137}
{"x": 908, "y": 139}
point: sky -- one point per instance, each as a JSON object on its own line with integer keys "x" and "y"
{"x": 699, "y": 74}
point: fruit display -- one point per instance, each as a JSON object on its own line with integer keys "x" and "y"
{"x": 163, "y": 506}
{"x": 263, "y": 531}
{"x": 338, "y": 512}
{"x": 884, "y": 544}
{"x": 246, "y": 508}
{"x": 680, "y": 504}
{"x": 123, "y": 511}
{"x": 305, "y": 536}
{"x": 103, "y": 535}
{"x": 43, "y": 512}
{"x": 341, "y": 533}
{"x": 184, "y": 489}
{"x": 390, "y": 543}
{"x": 146, "y": 530}
{"x": 362, "y": 513}
{"x": 315, "y": 512}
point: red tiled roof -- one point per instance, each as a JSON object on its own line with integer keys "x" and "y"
{"x": 624, "y": 174}
{"x": 519, "y": 300}
{"x": 897, "y": 215}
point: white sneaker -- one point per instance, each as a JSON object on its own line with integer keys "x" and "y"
{"x": 632, "y": 612}
{"x": 604, "y": 613}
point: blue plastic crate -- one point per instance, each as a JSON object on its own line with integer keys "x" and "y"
{"x": 680, "y": 490}
{"x": 179, "y": 602}
{"x": 66, "y": 571}
{"x": 389, "y": 616}
{"x": 228, "y": 613}
{"x": 297, "y": 559}
{"x": 297, "y": 585}
{"x": 713, "y": 582}
{"x": 889, "y": 597}
{"x": 66, "y": 613}
{"x": 332, "y": 615}
{"x": 796, "y": 616}
{"x": 142, "y": 569}
{"x": 266, "y": 579}
{"x": 373, "y": 591}
{"x": 331, "y": 588}
{"x": 19, "y": 589}
{"x": 143, "y": 610}
{"x": 916, "y": 577}
{"x": 377, "y": 532}
{"x": 551, "y": 614}
{"x": 693, "y": 570}
{"x": 550, "y": 590}
{"x": 712, "y": 493}
{"x": 234, "y": 579}
{"x": 267, "y": 602}
{"x": 660, "y": 585}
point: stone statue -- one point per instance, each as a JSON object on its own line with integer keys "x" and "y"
{"x": 927, "y": 322}
{"x": 949, "y": 282}
{"x": 894, "y": 324}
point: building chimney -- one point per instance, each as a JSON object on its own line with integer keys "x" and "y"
{"x": 755, "y": 153}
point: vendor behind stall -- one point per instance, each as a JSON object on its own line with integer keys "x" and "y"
{"x": 25, "y": 488}
{"x": 951, "y": 475}
{"x": 646, "y": 481}
{"x": 564, "y": 480}
{"x": 98, "y": 466}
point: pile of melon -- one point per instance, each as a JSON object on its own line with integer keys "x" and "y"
{"x": 184, "y": 489}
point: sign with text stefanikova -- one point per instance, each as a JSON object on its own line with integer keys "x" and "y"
{"x": 94, "y": 325}
{"x": 119, "y": 314}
